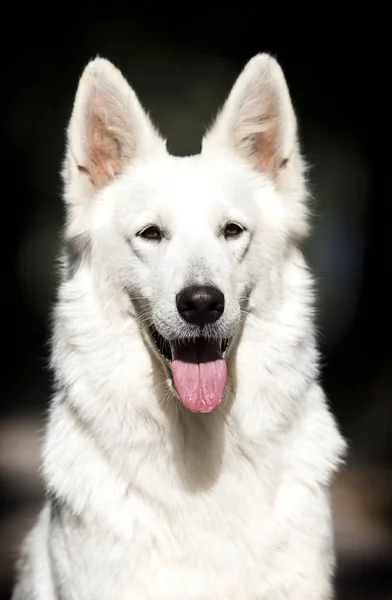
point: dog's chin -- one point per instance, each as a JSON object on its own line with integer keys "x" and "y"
{"x": 198, "y": 369}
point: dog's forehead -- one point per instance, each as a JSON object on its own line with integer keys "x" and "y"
{"x": 182, "y": 183}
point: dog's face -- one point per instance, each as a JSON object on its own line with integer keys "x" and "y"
{"x": 186, "y": 239}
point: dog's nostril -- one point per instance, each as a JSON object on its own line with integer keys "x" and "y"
{"x": 200, "y": 305}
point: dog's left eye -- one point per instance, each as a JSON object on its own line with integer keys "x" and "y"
{"x": 233, "y": 230}
{"x": 151, "y": 233}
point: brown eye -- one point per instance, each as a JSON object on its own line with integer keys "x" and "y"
{"x": 233, "y": 230}
{"x": 151, "y": 233}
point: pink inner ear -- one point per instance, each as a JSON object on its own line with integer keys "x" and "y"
{"x": 103, "y": 153}
{"x": 259, "y": 126}
{"x": 266, "y": 148}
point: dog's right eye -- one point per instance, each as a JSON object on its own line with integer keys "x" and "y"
{"x": 151, "y": 233}
{"x": 232, "y": 230}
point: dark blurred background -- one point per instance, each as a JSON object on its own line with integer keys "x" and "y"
{"x": 182, "y": 61}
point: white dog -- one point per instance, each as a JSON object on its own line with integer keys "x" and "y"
{"x": 189, "y": 449}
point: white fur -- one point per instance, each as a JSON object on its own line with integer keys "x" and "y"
{"x": 147, "y": 500}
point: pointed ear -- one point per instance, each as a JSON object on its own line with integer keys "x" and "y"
{"x": 107, "y": 130}
{"x": 257, "y": 121}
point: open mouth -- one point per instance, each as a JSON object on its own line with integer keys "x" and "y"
{"x": 198, "y": 369}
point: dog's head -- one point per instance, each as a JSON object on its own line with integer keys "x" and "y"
{"x": 184, "y": 241}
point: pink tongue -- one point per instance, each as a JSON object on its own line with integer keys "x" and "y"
{"x": 200, "y": 385}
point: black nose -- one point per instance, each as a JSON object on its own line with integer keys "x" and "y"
{"x": 200, "y": 305}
